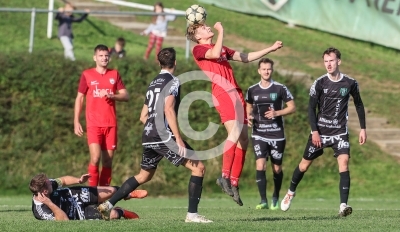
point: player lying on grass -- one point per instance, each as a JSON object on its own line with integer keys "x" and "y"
{"x": 52, "y": 202}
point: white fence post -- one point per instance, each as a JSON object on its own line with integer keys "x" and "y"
{"x": 50, "y": 19}
{"x": 32, "y": 31}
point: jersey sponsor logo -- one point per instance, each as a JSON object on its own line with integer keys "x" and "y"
{"x": 273, "y": 96}
{"x": 325, "y": 90}
{"x": 223, "y": 56}
{"x": 343, "y": 91}
{"x": 343, "y": 144}
{"x": 94, "y": 83}
{"x": 255, "y": 98}
{"x": 276, "y": 155}
{"x": 148, "y": 128}
{"x": 153, "y": 146}
{"x": 96, "y": 92}
{"x": 85, "y": 197}
{"x": 112, "y": 81}
{"x": 157, "y": 81}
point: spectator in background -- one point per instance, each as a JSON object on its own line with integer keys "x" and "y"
{"x": 118, "y": 49}
{"x": 65, "y": 19}
{"x": 157, "y": 30}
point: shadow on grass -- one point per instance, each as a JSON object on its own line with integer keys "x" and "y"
{"x": 14, "y": 210}
{"x": 314, "y": 218}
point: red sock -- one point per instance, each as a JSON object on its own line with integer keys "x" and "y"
{"x": 227, "y": 158}
{"x": 94, "y": 175}
{"x": 237, "y": 166}
{"x": 105, "y": 176}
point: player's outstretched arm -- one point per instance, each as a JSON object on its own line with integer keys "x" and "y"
{"x": 215, "y": 52}
{"x": 252, "y": 56}
{"x": 144, "y": 114}
{"x": 170, "y": 114}
{"x": 59, "y": 215}
{"x": 71, "y": 180}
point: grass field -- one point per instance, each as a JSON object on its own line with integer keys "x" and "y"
{"x": 167, "y": 214}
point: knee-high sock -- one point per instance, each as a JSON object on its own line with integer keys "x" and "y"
{"x": 277, "y": 184}
{"x": 262, "y": 185}
{"x": 94, "y": 175}
{"x": 344, "y": 186}
{"x": 296, "y": 178}
{"x": 194, "y": 189}
{"x": 228, "y": 157}
{"x": 128, "y": 186}
{"x": 237, "y": 166}
{"x": 105, "y": 176}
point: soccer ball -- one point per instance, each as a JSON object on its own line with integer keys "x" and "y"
{"x": 196, "y": 14}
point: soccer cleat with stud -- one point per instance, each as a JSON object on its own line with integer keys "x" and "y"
{"x": 198, "y": 219}
{"x": 345, "y": 210}
{"x": 139, "y": 194}
{"x": 128, "y": 214}
{"x": 274, "y": 207}
{"x": 225, "y": 185}
{"x": 104, "y": 210}
{"x": 287, "y": 200}
{"x": 236, "y": 196}
{"x": 262, "y": 206}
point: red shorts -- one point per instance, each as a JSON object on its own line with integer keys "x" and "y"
{"x": 231, "y": 106}
{"x": 105, "y": 136}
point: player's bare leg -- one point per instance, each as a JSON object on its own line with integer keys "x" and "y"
{"x": 296, "y": 178}
{"x": 194, "y": 189}
{"x": 344, "y": 185}
{"x": 93, "y": 168}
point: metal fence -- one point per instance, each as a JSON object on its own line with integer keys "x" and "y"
{"x": 33, "y": 12}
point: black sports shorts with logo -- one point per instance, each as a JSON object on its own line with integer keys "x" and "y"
{"x": 269, "y": 148}
{"x": 339, "y": 143}
{"x": 154, "y": 152}
{"x": 87, "y": 199}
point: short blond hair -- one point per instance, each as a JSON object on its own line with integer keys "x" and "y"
{"x": 191, "y": 32}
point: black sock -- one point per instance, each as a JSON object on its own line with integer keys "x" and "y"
{"x": 296, "y": 178}
{"x": 128, "y": 186}
{"x": 262, "y": 185}
{"x": 344, "y": 186}
{"x": 194, "y": 189}
{"x": 278, "y": 184}
{"x": 120, "y": 212}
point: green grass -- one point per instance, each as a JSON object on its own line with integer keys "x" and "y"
{"x": 168, "y": 214}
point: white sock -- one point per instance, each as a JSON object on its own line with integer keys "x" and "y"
{"x": 191, "y": 215}
{"x": 290, "y": 192}
{"x": 109, "y": 205}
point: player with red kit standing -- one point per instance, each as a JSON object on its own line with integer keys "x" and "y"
{"x": 102, "y": 87}
{"x": 212, "y": 58}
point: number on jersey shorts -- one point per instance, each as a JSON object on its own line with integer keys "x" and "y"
{"x": 154, "y": 152}
{"x": 264, "y": 148}
{"x": 339, "y": 143}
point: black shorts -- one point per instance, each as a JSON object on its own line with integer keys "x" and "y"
{"x": 153, "y": 153}
{"x": 269, "y": 148}
{"x": 339, "y": 143}
{"x": 87, "y": 199}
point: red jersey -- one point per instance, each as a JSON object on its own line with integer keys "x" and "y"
{"x": 218, "y": 70}
{"x": 99, "y": 111}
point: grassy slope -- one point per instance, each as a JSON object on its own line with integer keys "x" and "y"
{"x": 374, "y": 66}
{"x": 367, "y": 180}
{"x": 167, "y": 214}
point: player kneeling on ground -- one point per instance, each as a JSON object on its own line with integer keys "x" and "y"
{"x": 52, "y": 202}
{"x": 161, "y": 138}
